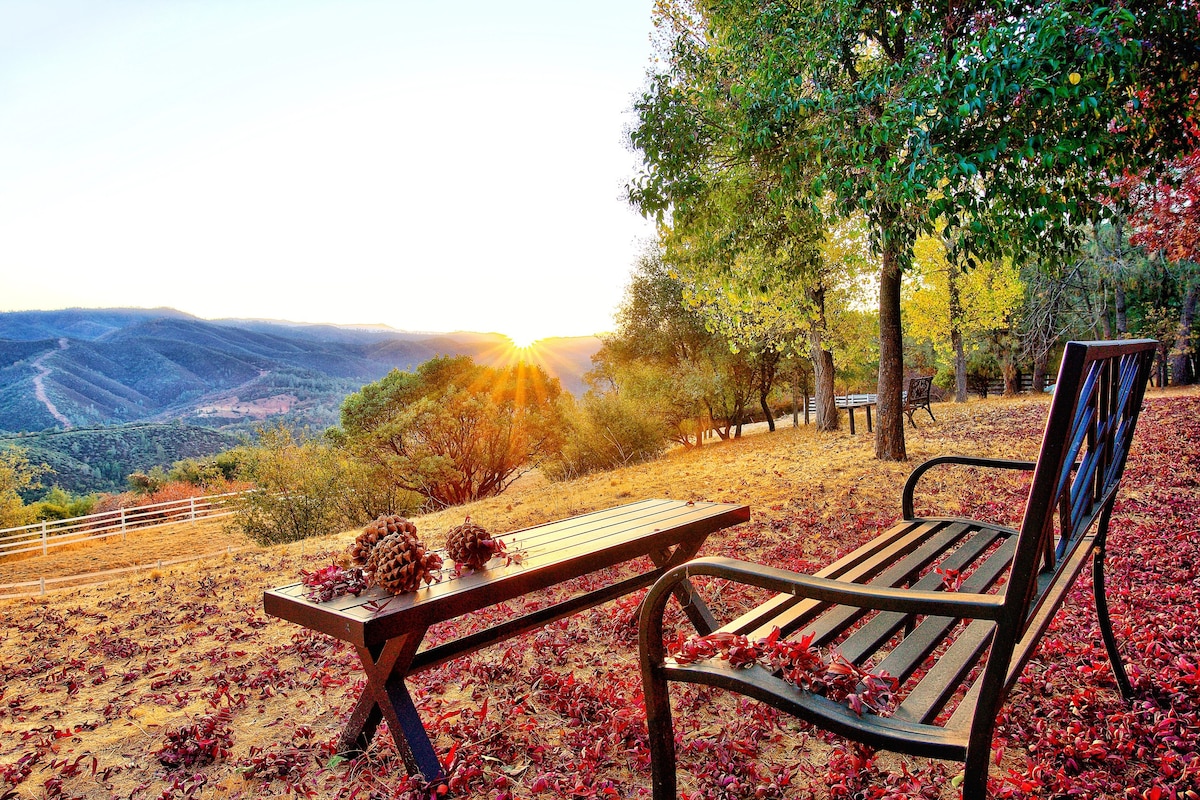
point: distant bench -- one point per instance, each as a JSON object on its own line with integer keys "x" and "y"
{"x": 388, "y": 631}
{"x": 975, "y": 595}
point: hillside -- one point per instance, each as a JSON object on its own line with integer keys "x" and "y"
{"x": 95, "y": 679}
{"x": 86, "y": 460}
{"x": 87, "y": 368}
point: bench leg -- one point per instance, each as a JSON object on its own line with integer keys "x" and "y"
{"x": 662, "y": 733}
{"x": 850, "y": 411}
{"x": 1106, "y": 631}
{"x": 385, "y": 697}
{"x": 868, "y": 410}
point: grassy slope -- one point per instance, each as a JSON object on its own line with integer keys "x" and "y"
{"x": 105, "y": 672}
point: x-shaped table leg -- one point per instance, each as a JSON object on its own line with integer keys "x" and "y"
{"x": 693, "y": 605}
{"x": 385, "y": 697}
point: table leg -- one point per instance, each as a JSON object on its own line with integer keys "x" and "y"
{"x": 385, "y": 697}
{"x": 868, "y": 408}
{"x": 693, "y": 604}
{"x": 850, "y": 411}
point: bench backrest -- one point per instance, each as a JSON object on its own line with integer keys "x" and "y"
{"x": 1088, "y": 433}
{"x": 918, "y": 391}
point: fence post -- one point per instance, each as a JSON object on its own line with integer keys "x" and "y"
{"x": 192, "y": 502}
{"x": 42, "y": 585}
{"x": 122, "y": 523}
{"x": 43, "y": 539}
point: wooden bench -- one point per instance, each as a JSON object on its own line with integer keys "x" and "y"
{"x": 894, "y": 602}
{"x": 388, "y": 631}
{"x": 917, "y": 397}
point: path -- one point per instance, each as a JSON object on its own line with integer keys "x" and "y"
{"x": 39, "y": 386}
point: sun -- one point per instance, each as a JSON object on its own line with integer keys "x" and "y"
{"x": 523, "y": 341}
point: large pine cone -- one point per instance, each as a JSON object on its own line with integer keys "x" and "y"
{"x": 469, "y": 545}
{"x": 400, "y": 562}
{"x": 360, "y": 551}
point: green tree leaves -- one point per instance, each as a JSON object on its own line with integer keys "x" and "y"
{"x": 455, "y": 431}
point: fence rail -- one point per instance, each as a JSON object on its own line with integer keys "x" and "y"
{"x": 43, "y": 536}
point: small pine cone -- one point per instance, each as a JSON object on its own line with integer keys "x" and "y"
{"x": 469, "y": 545}
{"x": 360, "y": 551}
{"x": 399, "y": 562}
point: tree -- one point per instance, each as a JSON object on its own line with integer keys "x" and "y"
{"x": 1003, "y": 120}
{"x": 300, "y": 488}
{"x": 949, "y": 304}
{"x": 17, "y": 475}
{"x": 455, "y": 431}
{"x": 744, "y": 243}
{"x": 1167, "y": 221}
{"x": 606, "y": 431}
{"x": 663, "y": 356}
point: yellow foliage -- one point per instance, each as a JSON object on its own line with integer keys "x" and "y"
{"x": 988, "y": 294}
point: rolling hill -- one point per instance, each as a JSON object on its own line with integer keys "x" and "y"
{"x": 85, "y": 368}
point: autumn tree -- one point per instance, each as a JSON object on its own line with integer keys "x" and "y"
{"x": 300, "y": 486}
{"x": 745, "y": 244}
{"x": 17, "y": 475}
{"x": 455, "y": 431}
{"x": 1166, "y": 218}
{"x": 1003, "y": 120}
{"x": 948, "y": 304}
{"x": 664, "y": 357}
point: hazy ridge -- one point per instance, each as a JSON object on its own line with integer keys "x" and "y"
{"x": 150, "y": 386}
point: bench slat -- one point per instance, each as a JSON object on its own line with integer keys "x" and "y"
{"x": 837, "y": 619}
{"x": 864, "y": 642}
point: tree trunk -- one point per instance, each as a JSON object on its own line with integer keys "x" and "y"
{"x": 1182, "y": 372}
{"x": 767, "y": 365}
{"x": 822, "y": 360}
{"x": 1101, "y": 313}
{"x": 766, "y": 409}
{"x": 960, "y": 367}
{"x": 796, "y": 397}
{"x": 827, "y": 417}
{"x": 956, "y": 339}
{"x": 1119, "y": 308}
{"x": 889, "y": 425}
{"x": 1039, "y": 372}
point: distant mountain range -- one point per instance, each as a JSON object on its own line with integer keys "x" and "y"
{"x": 84, "y": 368}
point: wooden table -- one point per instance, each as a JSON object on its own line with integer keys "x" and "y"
{"x": 388, "y": 631}
{"x": 851, "y": 402}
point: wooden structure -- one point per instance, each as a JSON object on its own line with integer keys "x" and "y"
{"x": 917, "y": 397}
{"x": 853, "y": 401}
{"x": 388, "y": 631}
{"x": 888, "y": 606}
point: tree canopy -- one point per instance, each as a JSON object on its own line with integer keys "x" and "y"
{"x": 456, "y": 431}
{"x": 1004, "y": 121}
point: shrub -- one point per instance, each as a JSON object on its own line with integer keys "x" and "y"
{"x": 300, "y": 489}
{"x": 61, "y": 504}
{"x": 606, "y": 431}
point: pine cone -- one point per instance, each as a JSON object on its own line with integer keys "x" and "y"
{"x": 400, "y": 562}
{"x": 469, "y": 545}
{"x": 360, "y": 551}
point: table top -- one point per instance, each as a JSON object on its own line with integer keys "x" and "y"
{"x": 546, "y": 555}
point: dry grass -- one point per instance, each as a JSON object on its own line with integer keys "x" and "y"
{"x": 102, "y": 672}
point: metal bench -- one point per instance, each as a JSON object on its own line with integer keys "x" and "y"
{"x": 898, "y": 600}
{"x": 917, "y": 397}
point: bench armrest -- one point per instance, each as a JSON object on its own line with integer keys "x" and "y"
{"x": 911, "y": 601}
{"x": 910, "y": 485}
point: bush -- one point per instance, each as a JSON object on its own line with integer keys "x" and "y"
{"x": 61, "y": 504}
{"x": 606, "y": 432}
{"x": 300, "y": 489}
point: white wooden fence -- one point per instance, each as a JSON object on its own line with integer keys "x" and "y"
{"x": 41, "y": 537}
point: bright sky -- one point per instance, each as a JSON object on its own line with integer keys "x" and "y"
{"x": 431, "y": 166}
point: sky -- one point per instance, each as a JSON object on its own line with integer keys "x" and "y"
{"x": 428, "y": 166}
